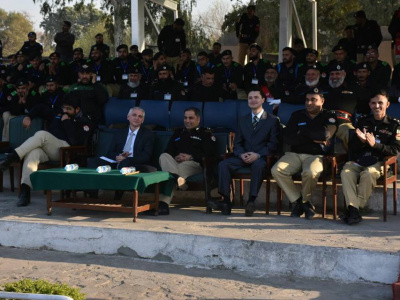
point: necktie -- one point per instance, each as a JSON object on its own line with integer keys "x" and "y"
{"x": 128, "y": 144}
{"x": 255, "y": 122}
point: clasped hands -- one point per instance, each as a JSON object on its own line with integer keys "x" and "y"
{"x": 249, "y": 157}
{"x": 366, "y": 137}
{"x": 181, "y": 157}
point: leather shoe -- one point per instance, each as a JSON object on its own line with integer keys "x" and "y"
{"x": 309, "y": 210}
{"x": 226, "y": 208}
{"x": 249, "y": 209}
{"x": 297, "y": 210}
{"x": 25, "y": 197}
{"x": 163, "y": 208}
{"x": 6, "y": 163}
{"x": 354, "y": 216}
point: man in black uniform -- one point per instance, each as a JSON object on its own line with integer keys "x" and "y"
{"x": 36, "y": 72}
{"x": 166, "y": 88}
{"x": 120, "y": 67}
{"x": 146, "y": 68}
{"x": 365, "y": 89}
{"x": 172, "y": 40}
{"x": 66, "y": 129}
{"x": 133, "y": 89}
{"x": 31, "y": 47}
{"x": 215, "y": 55}
{"x": 91, "y": 93}
{"x": 247, "y": 31}
{"x": 8, "y": 95}
{"x": 380, "y": 70}
{"x": 349, "y": 43}
{"x": 311, "y": 59}
{"x": 340, "y": 57}
{"x": 104, "y": 48}
{"x": 229, "y": 75}
{"x": 342, "y": 98}
{"x": 20, "y": 69}
{"x": 254, "y": 71}
{"x": 376, "y": 136}
{"x": 309, "y": 132}
{"x": 203, "y": 62}
{"x": 288, "y": 69}
{"x": 206, "y": 90}
{"x": 49, "y": 105}
{"x": 134, "y": 53}
{"x": 301, "y": 51}
{"x": 102, "y": 68}
{"x": 185, "y": 151}
{"x": 65, "y": 41}
{"x": 57, "y": 68}
{"x": 75, "y": 64}
{"x": 186, "y": 72}
{"x": 366, "y": 32}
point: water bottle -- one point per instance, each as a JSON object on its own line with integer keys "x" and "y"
{"x": 127, "y": 170}
{"x": 103, "y": 169}
{"x": 71, "y": 167}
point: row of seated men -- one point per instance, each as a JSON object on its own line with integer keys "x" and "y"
{"x": 310, "y": 132}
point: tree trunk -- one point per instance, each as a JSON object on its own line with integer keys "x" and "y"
{"x": 118, "y": 21}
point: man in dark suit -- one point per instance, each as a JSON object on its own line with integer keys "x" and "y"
{"x": 256, "y": 137}
{"x": 131, "y": 147}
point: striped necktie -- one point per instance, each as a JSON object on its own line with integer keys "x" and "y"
{"x": 128, "y": 144}
{"x": 255, "y": 122}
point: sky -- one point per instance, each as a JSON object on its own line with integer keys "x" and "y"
{"x": 33, "y": 10}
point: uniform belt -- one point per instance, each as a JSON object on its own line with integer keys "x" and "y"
{"x": 343, "y": 115}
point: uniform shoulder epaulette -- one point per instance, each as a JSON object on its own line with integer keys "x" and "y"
{"x": 265, "y": 61}
{"x": 29, "y": 66}
{"x": 65, "y": 90}
{"x": 63, "y": 64}
{"x": 322, "y": 64}
{"x": 13, "y": 93}
{"x": 89, "y": 60}
{"x": 235, "y": 64}
{"x": 48, "y": 64}
{"x": 218, "y": 65}
{"x": 300, "y": 65}
{"x": 110, "y": 58}
{"x": 394, "y": 119}
{"x": 353, "y": 61}
{"x": 33, "y": 93}
{"x": 10, "y": 86}
{"x": 384, "y": 63}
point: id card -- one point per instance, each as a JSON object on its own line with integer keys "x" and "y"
{"x": 98, "y": 78}
{"x": 254, "y": 81}
{"x": 124, "y": 76}
{"x": 167, "y": 97}
{"x": 133, "y": 95}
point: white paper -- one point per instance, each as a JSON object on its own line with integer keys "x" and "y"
{"x": 274, "y": 101}
{"x": 108, "y": 159}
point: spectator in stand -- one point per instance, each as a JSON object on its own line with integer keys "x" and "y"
{"x": 172, "y": 40}
{"x": 380, "y": 70}
{"x": 59, "y": 69}
{"x": 186, "y": 72}
{"x": 102, "y": 69}
{"x": 247, "y": 31}
{"x": 20, "y": 69}
{"x": 270, "y": 88}
{"x": 229, "y": 75}
{"x": 134, "y": 53}
{"x": 215, "y": 55}
{"x": 311, "y": 56}
{"x": 120, "y": 67}
{"x": 147, "y": 70}
{"x": 36, "y": 72}
{"x": 203, "y": 62}
{"x": 31, "y": 47}
{"x": 301, "y": 52}
{"x": 349, "y": 43}
{"x": 366, "y": 32}
{"x": 254, "y": 71}
{"x": 206, "y": 90}
{"x": 133, "y": 89}
{"x": 394, "y": 30}
{"x": 104, "y": 48}
{"x": 8, "y": 95}
{"x": 288, "y": 69}
{"x": 365, "y": 90}
{"x": 75, "y": 64}
{"x": 12, "y": 63}
{"x": 340, "y": 57}
{"x": 65, "y": 41}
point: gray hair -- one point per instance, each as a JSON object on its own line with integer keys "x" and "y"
{"x": 139, "y": 108}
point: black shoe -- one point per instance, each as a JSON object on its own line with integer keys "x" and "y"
{"x": 309, "y": 210}
{"x": 118, "y": 195}
{"x": 250, "y": 208}
{"x": 163, "y": 208}
{"x": 94, "y": 194}
{"x": 298, "y": 210}
{"x": 344, "y": 217}
{"x": 354, "y": 216}
{"x": 25, "y": 197}
{"x": 226, "y": 208}
{"x": 10, "y": 158}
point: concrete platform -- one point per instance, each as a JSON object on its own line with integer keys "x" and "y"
{"x": 263, "y": 245}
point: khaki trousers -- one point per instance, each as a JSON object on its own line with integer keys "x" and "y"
{"x": 358, "y": 196}
{"x": 343, "y": 134}
{"x": 243, "y": 51}
{"x": 7, "y": 116}
{"x": 113, "y": 89}
{"x": 291, "y": 163}
{"x": 183, "y": 169}
{"x": 41, "y": 147}
{"x": 173, "y": 61}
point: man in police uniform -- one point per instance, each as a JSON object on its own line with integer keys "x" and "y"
{"x": 229, "y": 75}
{"x": 120, "y": 66}
{"x": 184, "y": 153}
{"x": 376, "y": 136}
{"x": 31, "y": 47}
{"x": 147, "y": 69}
{"x": 288, "y": 69}
{"x": 341, "y": 98}
{"x": 380, "y": 70}
{"x": 67, "y": 129}
{"x": 247, "y": 31}
{"x": 75, "y": 64}
{"x": 186, "y": 72}
{"x": 172, "y": 40}
{"x": 134, "y": 88}
{"x": 102, "y": 68}
{"x": 270, "y": 88}
{"x": 206, "y": 90}
{"x": 57, "y": 68}
{"x": 311, "y": 60}
{"x": 215, "y": 55}
{"x": 309, "y": 132}
{"x": 365, "y": 89}
{"x": 254, "y": 71}
{"x": 340, "y": 57}
{"x": 104, "y": 48}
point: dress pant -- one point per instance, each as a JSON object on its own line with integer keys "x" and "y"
{"x": 358, "y": 196}
{"x": 228, "y": 166}
{"x": 7, "y": 116}
{"x": 291, "y": 163}
{"x": 243, "y": 51}
{"x": 183, "y": 169}
{"x": 41, "y": 147}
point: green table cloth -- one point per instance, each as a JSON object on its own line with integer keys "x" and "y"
{"x": 85, "y": 179}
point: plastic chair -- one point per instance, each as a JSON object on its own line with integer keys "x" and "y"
{"x": 116, "y": 110}
{"x": 285, "y": 111}
{"x": 220, "y": 116}
{"x": 157, "y": 112}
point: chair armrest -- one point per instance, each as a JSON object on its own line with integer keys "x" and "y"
{"x": 390, "y": 160}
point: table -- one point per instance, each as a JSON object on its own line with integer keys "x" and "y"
{"x": 86, "y": 179}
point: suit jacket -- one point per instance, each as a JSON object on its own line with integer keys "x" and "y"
{"x": 263, "y": 140}
{"x": 142, "y": 148}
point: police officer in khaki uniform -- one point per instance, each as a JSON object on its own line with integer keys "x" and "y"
{"x": 184, "y": 153}
{"x": 309, "y": 132}
{"x": 376, "y": 136}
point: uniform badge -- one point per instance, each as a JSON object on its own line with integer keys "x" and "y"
{"x": 213, "y": 138}
{"x": 287, "y": 93}
{"x": 86, "y": 128}
{"x": 9, "y": 98}
{"x": 323, "y": 75}
{"x": 332, "y": 120}
{"x": 398, "y": 135}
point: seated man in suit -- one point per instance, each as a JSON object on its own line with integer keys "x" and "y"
{"x": 131, "y": 147}
{"x": 376, "y": 136}
{"x": 184, "y": 153}
{"x": 309, "y": 133}
{"x": 256, "y": 137}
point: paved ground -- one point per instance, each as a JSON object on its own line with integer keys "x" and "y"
{"x": 118, "y": 277}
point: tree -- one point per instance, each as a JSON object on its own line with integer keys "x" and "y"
{"x": 14, "y": 28}
{"x": 211, "y": 21}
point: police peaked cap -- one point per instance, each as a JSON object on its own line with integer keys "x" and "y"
{"x": 85, "y": 68}
{"x": 314, "y": 67}
{"x": 315, "y": 91}
{"x": 226, "y": 52}
{"x": 51, "y": 79}
{"x": 55, "y": 54}
{"x": 79, "y": 50}
{"x": 363, "y": 65}
{"x": 310, "y": 50}
{"x": 147, "y": 52}
{"x": 164, "y": 67}
{"x": 256, "y": 46}
{"x": 71, "y": 100}
{"x": 187, "y": 51}
{"x": 336, "y": 67}
{"x": 339, "y": 47}
{"x": 134, "y": 70}
{"x": 31, "y": 33}
{"x": 271, "y": 66}
{"x": 360, "y": 14}
{"x": 22, "y": 81}
{"x": 371, "y": 47}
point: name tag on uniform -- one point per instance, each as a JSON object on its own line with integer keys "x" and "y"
{"x": 98, "y": 78}
{"x": 167, "y": 97}
{"x": 124, "y": 76}
{"x": 254, "y": 81}
{"x": 185, "y": 83}
{"x": 133, "y": 95}
{"x": 301, "y": 124}
{"x": 377, "y": 140}
{"x": 177, "y": 40}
